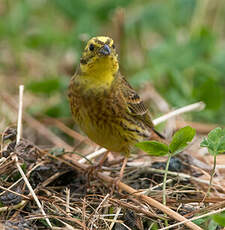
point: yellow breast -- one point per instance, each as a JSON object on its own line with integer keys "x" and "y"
{"x": 100, "y": 119}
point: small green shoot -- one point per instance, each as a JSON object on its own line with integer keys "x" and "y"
{"x": 179, "y": 142}
{"x": 216, "y": 145}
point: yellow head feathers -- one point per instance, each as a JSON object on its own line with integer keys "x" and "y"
{"x": 99, "y": 61}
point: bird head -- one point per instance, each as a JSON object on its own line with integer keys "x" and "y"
{"x": 99, "y": 58}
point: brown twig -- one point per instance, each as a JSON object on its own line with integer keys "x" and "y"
{"x": 14, "y": 192}
{"x": 15, "y": 158}
{"x": 115, "y": 218}
{"x": 12, "y": 207}
{"x": 135, "y": 208}
{"x": 218, "y": 205}
{"x": 195, "y": 218}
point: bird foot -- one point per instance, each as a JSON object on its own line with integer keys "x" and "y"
{"x": 117, "y": 180}
{"x": 92, "y": 171}
{"x": 115, "y": 185}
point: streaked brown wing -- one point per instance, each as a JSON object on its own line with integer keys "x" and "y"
{"x": 135, "y": 104}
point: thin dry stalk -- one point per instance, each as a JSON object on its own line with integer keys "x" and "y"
{"x": 135, "y": 208}
{"x": 99, "y": 206}
{"x": 12, "y": 207}
{"x": 92, "y": 155}
{"x": 68, "y": 201}
{"x": 16, "y": 193}
{"x": 186, "y": 176}
{"x": 20, "y": 111}
{"x": 83, "y": 212}
{"x": 28, "y": 173}
{"x": 193, "y": 107}
{"x": 115, "y": 218}
{"x": 149, "y": 190}
{"x": 194, "y": 218}
{"x": 15, "y": 158}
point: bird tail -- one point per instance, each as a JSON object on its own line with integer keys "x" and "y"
{"x": 159, "y": 134}
{"x": 158, "y": 137}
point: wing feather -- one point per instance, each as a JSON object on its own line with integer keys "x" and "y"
{"x": 135, "y": 104}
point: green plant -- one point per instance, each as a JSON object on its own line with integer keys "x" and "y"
{"x": 215, "y": 142}
{"x": 219, "y": 218}
{"x": 211, "y": 222}
{"x": 179, "y": 142}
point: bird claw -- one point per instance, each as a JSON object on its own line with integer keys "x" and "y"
{"x": 92, "y": 171}
{"x": 115, "y": 185}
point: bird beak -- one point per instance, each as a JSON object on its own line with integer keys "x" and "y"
{"x": 105, "y": 50}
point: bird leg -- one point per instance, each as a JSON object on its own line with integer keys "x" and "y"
{"x": 93, "y": 168}
{"x": 118, "y": 179}
{"x": 123, "y": 167}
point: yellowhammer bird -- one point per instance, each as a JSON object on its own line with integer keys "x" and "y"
{"x": 103, "y": 103}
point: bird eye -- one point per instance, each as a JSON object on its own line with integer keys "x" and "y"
{"x": 113, "y": 46}
{"x": 91, "y": 47}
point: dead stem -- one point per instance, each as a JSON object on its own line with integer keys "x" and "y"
{"x": 15, "y": 158}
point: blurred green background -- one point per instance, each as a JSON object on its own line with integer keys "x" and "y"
{"x": 176, "y": 45}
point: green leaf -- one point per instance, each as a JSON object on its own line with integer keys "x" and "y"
{"x": 153, "y": 148}
{"x": 204, "y": 143}
{"x": 215, "y": 141}
{"x": 221, "y": 145}
{"x": 212, "y": 225}
{"x": 155, "y": 226}
{"x": 214, "y": 134}
{"x": 200, "y": 221}
{"x": 219, "y": 218}
{"x": 181, "y": 139}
